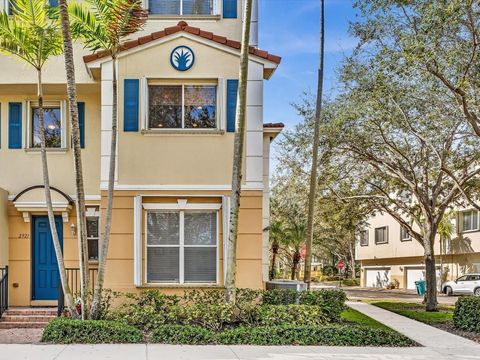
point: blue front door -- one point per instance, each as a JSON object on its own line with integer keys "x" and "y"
{"x": 45, "y": 266}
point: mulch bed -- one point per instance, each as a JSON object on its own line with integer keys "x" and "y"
{"x": 451, "y": 329}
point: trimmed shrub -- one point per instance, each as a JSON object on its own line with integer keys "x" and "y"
{"x": 331, "y": 335}
{"x": 467, "y": 314}
{"x": 147, "y": 310}
{"x": 331, "y": 301}
{"x": 68, "y": 331}
{"x": 182, "y": 334}
{"x": 274, "y": 315}
{"x": 211, "y": 316}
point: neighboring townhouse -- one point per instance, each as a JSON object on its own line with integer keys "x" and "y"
{"x": 178, "y": 82}
{"x": 389, "y": 255}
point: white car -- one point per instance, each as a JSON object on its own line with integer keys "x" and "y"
{"x": 465, "y": 285}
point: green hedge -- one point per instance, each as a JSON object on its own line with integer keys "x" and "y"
{"x": 331, "y": 335}
{"x": 275, "y": 315}
{"x": 68, "y": 331}
{"x": 467, "y": 314}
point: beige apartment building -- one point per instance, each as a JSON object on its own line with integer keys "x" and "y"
{"x": 388, "y": 254}
{"x": 178, "y": 82}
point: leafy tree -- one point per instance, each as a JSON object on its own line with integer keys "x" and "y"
{"x": 238, "y": 147}
{"x": 403, "y": 136}
{"x": 104, "y": 24}
{"x": 33, "y": 37}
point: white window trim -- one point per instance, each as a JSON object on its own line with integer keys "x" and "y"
{"x": 367, "y": 237}
{"x": 216, "y": 8}
{"x": 63, "y": 122}
{"x": 462, "y": 214}
{"x": 181, "y": 206}
{"x": 404, "y": 239}
{"x": 188, "y": 82}
{"x": 374, "y": 235}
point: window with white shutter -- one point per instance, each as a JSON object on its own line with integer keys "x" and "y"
{"x": 182, "y": 246}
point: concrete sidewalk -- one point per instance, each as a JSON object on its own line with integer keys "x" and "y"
{"x": 172, "y": 352}
{"x": 428, "y": 336}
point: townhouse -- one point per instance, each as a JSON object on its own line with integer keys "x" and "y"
{"x": 177, "y": 90}
{"x": 389, "y": 256}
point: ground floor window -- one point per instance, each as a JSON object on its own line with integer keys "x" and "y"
{"x": 181, "y": 246}
{"x": 92, "y": 237}
{"x": 182, "y": 106}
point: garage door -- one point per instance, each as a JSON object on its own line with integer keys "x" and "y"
{"x": 417, "y": 274}
{"x": 378, "y": 278}
{"x": 414, "y": 275}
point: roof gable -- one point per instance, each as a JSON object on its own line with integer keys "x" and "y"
{"x": 182, "y": 26}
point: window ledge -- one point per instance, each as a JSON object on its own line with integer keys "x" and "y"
{"x": 469, "y": 231}
{"x": 49, "y": 150}
{"x": 183, "y": 132}
{"x": 180, "y": 286}
{"x": 184, "y": 17}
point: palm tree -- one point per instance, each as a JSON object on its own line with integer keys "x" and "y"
{"x": 238, "y": 147}
{"x": 104, "y": 24}
{"x": 277, "y": 235}
{"x": 77, "y": 156}
{"x": 316, "y": 143}
{"x": 294, "y": 240}
{"x": 32, "y": 36}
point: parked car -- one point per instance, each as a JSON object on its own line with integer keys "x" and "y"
{"x": 466, "y": 285}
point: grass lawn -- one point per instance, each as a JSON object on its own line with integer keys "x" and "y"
{"x": 353, "y": 316}
{"x": 417, "y": 311}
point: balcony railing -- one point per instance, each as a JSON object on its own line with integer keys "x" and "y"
{"x": 73, "y": 278}
{"x": 182, "y": 7}
{"x": 3, "y": 290}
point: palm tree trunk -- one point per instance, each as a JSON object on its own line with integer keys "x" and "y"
{"x": 110, "y": 192}
{"x": 274, "y": 260}
{"x": 316, "y": 143}
{"x": 238, "y": 157}
{"x": 48, "y": 200}
{"x": 77, "y": 159}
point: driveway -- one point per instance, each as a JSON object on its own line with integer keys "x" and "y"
{"x": 361, "y": 293}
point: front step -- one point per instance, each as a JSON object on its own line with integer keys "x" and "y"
{"x": 24, "y": 318}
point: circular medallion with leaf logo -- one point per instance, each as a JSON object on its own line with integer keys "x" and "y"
{"x": 182, "y": 58}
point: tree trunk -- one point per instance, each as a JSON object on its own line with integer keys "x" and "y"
{"x": 102, "y": 261}
{"x": 77, "y": 159}
{"x": 307, "y": 277}
{"x": 352, "y": 261}
{"x": 295, "y": 261}
{"x": 274, "y": 259}
{"x": 238, "y": 157}
{"x": 48, "y": 200}
{"x": 430, "y": 273}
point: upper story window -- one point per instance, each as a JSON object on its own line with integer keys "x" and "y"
{"x": 404, "y": 234}
{"x": 381, "y": 235}
{"x": 182, "y": 106}
{"x": 92, "y": 237}
{"x": 181, "y": 7}
{"x": 364, "y": 238}
{"x": 469, "y": 220}
{"x": 53, "y": 122}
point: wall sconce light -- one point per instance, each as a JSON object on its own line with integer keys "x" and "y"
{"x": 401, "y": 268}
{"x": 73, "y": 229}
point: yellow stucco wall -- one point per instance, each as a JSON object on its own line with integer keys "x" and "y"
{"x": 22, "y": 168}
{"x": 3, "y": 228}
{"x": 120, "y": 263}
{"x": 199, "y": 159}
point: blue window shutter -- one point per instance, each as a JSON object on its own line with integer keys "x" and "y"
{"x": 53, "y": 3}
{"x": 232, "y": 91}
{"x": 131, "y": 104}
{"x": 81, "y": 123}
{"x": 230, "y": 9}
{"x": 15, "y": 125}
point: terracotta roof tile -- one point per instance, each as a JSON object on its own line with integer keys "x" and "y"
{"x": 274, "y": 125}
{"x": 183, "y": 26}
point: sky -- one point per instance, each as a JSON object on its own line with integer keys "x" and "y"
{"x": 290, "y": 29}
